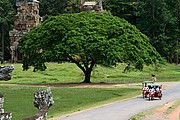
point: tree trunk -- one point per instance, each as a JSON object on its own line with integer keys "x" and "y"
{"x": 2, "y": 42}
{"x": 86, "y": 70}
{"x": 87, "y": 76}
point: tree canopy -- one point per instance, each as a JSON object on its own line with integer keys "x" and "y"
{"x": 86, "y": 39}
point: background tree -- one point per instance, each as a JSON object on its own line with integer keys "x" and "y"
{"x": 154, "y": 20}
{"x": 173, "y": 31}
{"x": 6, "y": 15}
{"x": 56, "y": 7}
{"x": 158, "y": 19}
{"x": 72, "y": 6}
{"x": 52, "y": 7}
{"x": 127, "y": 9}
{"x": 86, "y": 39}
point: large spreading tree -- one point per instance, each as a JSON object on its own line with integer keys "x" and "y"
{"x": 87, "y": 39}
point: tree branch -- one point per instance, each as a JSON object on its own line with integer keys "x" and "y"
{"x": 76, "y": 62}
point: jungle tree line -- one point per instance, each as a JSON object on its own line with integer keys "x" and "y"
{"x": 158, "y": 19}
{"x": 7, "y": 11}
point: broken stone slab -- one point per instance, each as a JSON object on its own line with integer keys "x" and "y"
{"x": 43, "y": 99}
{"x": 6, "y": 72}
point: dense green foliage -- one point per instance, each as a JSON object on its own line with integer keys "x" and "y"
{"x": 158, "y": 19}
{"x": 6, "y": 17}
{"x": 127, "y": 9}
{"x": 55, "y": 7}
{"x": 158, "y": 22}
{"x": 87, "y": 39}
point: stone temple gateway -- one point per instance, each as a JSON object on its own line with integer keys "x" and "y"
{"x": 26, "y": 18}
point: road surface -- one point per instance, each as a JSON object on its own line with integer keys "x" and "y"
{"x": 124, "y": 110}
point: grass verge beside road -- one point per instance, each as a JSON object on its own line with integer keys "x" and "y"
{"x": 19, "y": 99}
{"x": 168, "y": 111}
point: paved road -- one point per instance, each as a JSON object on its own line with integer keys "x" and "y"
{"x": 124, "y": 110}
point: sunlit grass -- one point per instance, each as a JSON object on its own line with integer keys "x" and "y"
{"x": 70, "y": 73}
{"x": 67, "y": 100}
{"x": 19, "y": 99}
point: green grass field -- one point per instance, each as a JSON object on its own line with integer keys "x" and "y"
{"x": 19, "y": 99}
{"x": 70, "y": 73}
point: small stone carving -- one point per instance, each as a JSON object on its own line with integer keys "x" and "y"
{"x": 43, "y": 100}
{"x": 6, "y": 72}
{"x": 4, "y": 115}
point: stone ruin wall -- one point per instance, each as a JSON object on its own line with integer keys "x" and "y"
{"x": 4, "y": 115}
{"x": 95, "y": 5}
{"x": 26, "y": 18}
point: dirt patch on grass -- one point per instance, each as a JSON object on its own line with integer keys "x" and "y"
{"x": 166, "y": 112}
{"x": 73, "y": 85}
{"x": 166, "y": 85}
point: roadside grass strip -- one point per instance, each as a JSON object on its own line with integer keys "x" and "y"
{"x": 171, "y": 108}
{"x": 150, "y": 112}
{"x": 145, "y": 113}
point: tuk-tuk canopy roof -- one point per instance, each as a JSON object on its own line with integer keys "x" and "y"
{"x": 148, "y": 82}
{"x": 155, "y": 84}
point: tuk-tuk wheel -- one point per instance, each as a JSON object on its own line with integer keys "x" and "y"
{"x": 160, "y": 97}
{"x": 150, "y": 98}
{"x": 144, "y": 96}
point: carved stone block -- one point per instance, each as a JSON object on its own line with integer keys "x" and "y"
{"x": 6, "y": 72}
{"x": 43, "y": 100}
